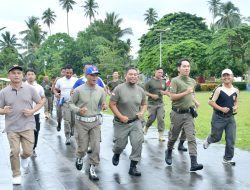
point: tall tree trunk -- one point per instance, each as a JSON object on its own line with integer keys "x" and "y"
{"x": 248, "y": 76}
{"x": 68, "y": 22}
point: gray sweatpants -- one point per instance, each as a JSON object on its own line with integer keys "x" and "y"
{"x": 156, "y": 112}
{"x": 219, "y": 124}
{"x": 182, "y": 121}
{"x": 132, "y": 130}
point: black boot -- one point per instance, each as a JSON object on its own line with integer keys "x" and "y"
{"x": 181, "y": 147}
{"x": 115, "y": 159}
{"x": 194, "y": 165}
{"x": 168, "y": 156}
{"x": 133, "y": 169}
{"x": 58, "y": 126}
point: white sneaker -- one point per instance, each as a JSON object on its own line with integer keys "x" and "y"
{"x": 17, "y": 180}
{"x": 92, "y": 174}
{"x": 25, "y": 163}
{"x": 206, "y": 144}
{"x": 231, "y": 162}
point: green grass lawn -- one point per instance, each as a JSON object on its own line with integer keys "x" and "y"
{"x": 202, "y": 122}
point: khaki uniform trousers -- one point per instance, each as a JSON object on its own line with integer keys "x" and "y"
{"x": 156, "y": 112}
{"x": 88, "y": 134}
{"x": 186, "y": 122}
{"x": 69, "y": 119}
{"x": 26, "y": 139}
{"x": 132, "y": 130}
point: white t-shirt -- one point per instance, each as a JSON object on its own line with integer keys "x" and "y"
{"x": 40, "y": 92}
{"x": 65, "y": 86}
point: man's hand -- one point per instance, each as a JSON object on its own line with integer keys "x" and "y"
{"x": 140, "y": 115}
{"x": 154, "y": 96}
{"x": 104, "y": 106}
{"x": 28, "y": 112}
{"x": 189, "y": 90}
{"x": 57, "y": 95}
{"x": 235, "y": 108}
{"x": 83, "y": 110}
{"x": 123, "y": 119}
{"x": 225, "y": 109}
{"x": 7, "y": 109}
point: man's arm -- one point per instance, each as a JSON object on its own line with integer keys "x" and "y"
{"x": 117, "y": 113}
{"x": 175, "y": 97}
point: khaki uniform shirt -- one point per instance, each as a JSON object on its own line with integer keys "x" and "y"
{"x": 155, "y": 86}
{"x": 129, "y": 99}
{"x": 90, "y": 97}
{"x": 178, "y": 85}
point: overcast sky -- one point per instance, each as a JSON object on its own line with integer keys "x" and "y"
{"x": 13, "y": 13}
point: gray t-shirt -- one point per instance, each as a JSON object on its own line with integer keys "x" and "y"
{"x": 19, "y": 100}
{"x": 129, "y": 99}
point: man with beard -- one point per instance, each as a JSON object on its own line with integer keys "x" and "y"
{"x": 128, "y": 104}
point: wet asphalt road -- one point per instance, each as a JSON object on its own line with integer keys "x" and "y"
{"x": 54, "y": 167}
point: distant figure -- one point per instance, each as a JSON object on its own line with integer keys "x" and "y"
{"x": 224, "y": 101}
{"x": 16, "y": 103}
{"x": 62, "y": 91}
{"x": 128, "y": 104}
{"x": 58, "y": 106}
{"x": 31, "y": 80}
{"x": 83, "y": 79}
{"x": 48, "y": 107}
{"x": 115, "y": 81}
{"x": 155, "y": 88}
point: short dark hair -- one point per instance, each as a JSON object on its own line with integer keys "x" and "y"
{"x": 115, "y": 70}
{"x": 131, "y": 68}
{"x": 158, "y": 68}
{"x": 30, "y": 70}
{"x": 181, "y": 60}
{"x": 86, "y": 63}
{"x": 68, "y": 66}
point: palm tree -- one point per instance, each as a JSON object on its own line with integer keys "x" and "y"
{"x": 90, "y": 7}
{"x": 8, "y": 41}
{"x": 214, "y": 6}
{"x": 115, "y": 22}
{"x": 49, "y": 18}
{"x": 150, "y": 16}
{"x": 229, "y": 16}
{"x": 67, "y": 5}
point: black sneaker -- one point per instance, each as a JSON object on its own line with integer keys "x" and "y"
{"x": 115, "y": 159}
{"x": 79, "y": 163}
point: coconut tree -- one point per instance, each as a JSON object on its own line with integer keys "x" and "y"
{"x": 49, "y": 18}
{"x": 67, "y": 5}
{"x": 8, "y": 41}
{"x": 90, "y": 7}
{"x": 114, "y": 21}
{"x": 229, "y": 16}
{"x": 214, "y": 7}
{"x": 150, "y": 16}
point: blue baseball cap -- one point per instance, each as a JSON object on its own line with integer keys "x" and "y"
{"x": 92, "y": 70}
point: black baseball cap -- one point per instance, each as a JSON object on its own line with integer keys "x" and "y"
{"x": 15, "y": 67}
